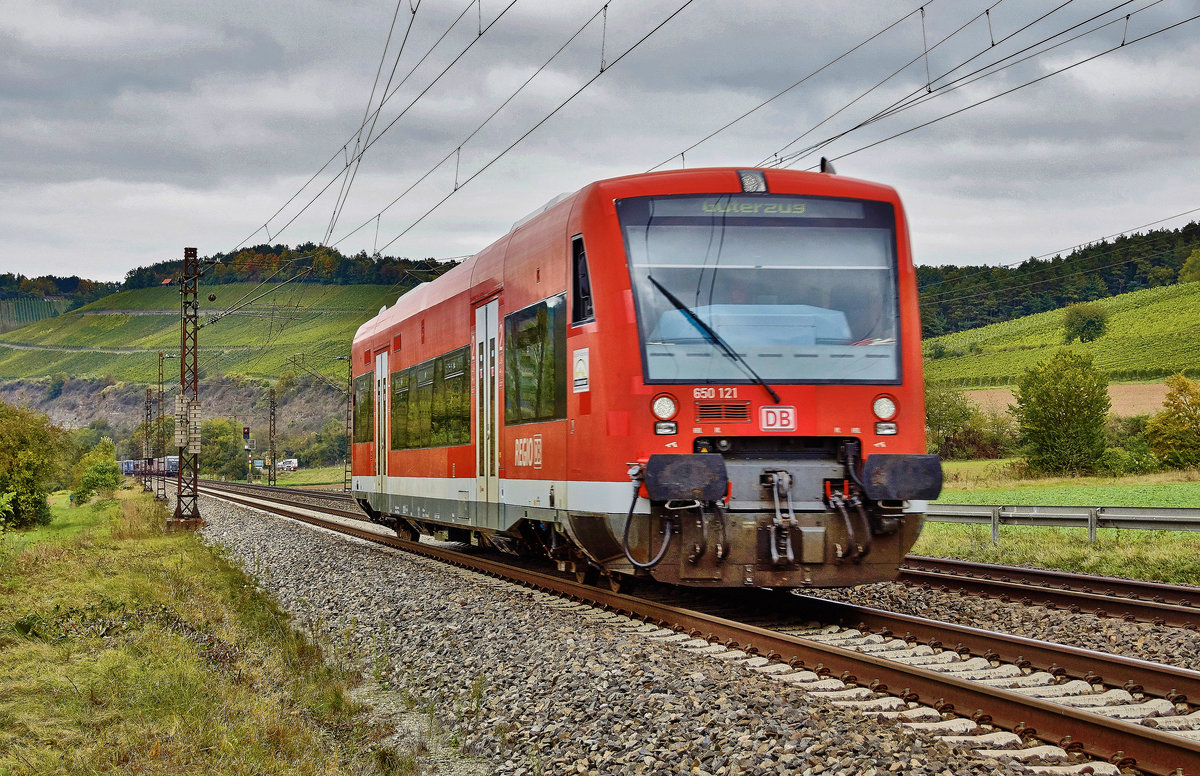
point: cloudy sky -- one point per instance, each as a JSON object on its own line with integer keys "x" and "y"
{"x": 129, "y": 130}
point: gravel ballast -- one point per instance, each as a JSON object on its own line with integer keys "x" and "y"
{"x": 520, "y": 684}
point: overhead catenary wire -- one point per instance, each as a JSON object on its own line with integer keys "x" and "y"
{"x": 344, "y": 194}
{"x": 534, "y": 128}
{"x": 925, "y": 92}
{"x": 918, "y": 97}
{"x": 1007, "y": 92}
{"x": 924, "y": 53}
{"x": 784, "y": 91}
{"x": 915, "y": 97}
{"x": 456, "y": 152}
{"x": 383, "y": 101}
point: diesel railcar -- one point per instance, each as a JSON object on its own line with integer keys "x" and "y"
{"x": 710, "y": 377}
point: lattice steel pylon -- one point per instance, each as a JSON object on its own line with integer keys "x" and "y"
{"x": 187, "y": 404}
{"x": 147, "y": 444}
{"x": 160, "y": 438}
{"x": 271, "y": 437}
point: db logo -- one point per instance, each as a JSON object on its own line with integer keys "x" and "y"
{"x": 777, "y": 418}
{"x": 528, "y": 452}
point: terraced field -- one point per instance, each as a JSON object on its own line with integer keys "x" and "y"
{"x": 121, "y": 335}
{"x": 1151, "y": 334}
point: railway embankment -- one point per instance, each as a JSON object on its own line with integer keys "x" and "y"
{"x": 521, "y": 684}
{"x": 124, "y": 648}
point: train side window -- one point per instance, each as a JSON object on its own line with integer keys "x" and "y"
{"x": 451, "y": 401}
{"x": 535, "y": 362}
{"x": 581, "y": 286}
{"x": 419, "y": 422}
{"x": 364, "y": 407}
{"x": 400, "y": 394}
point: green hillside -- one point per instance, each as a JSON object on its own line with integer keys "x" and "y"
{"x": 121, "y": 335}
{"x": 1151, "y": 334}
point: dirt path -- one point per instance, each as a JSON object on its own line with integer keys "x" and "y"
{"x": 1127, "y": 399}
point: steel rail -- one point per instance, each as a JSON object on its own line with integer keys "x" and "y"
{"x": 1178, "y": 685}
{"x": 1127, "y": 744}
{"x": 1102, "y": 596}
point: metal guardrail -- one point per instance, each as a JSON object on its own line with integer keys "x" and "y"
{"x": 1091, "y": 518}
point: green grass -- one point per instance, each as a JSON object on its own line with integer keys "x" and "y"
{"x": 127, "y": 649}
{"x": 1150, "y": 334}
{"x": 324, "y": 475}
{"x": 989, "y": 482}
{"x": 1164, "y": 556}
{"x": 1159, "y": 556}
{"x": 312, "y": 319}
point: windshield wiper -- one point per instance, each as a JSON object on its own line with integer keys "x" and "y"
{"x": 713, "y": 337}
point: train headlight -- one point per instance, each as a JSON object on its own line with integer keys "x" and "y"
{"x": 884, "y": 407}
{"x": 664, "y": 406}
{"x": 885, "y": 429}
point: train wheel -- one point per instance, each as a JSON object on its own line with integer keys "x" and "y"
{"x": 620, "y": 583}
{"x": 585, "y": 574}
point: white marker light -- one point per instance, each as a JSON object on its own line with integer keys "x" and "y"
{"x": 664, "y": 406}
{"x": 884, "y": 408}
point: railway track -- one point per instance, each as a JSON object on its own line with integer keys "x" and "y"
{"x": 972, "y": 687}
{"x": 1161, "y": 604}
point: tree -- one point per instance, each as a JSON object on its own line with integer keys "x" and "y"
{"x": 32, "y": 454}
{"x": 1085, "y": 321}
{"x": 1062, "y": 404}
{"x": 1190, "y": 272}
{"x": 97, "y": 472}
{"x": 1174, "y": 433}
{"x": 222, "y": 453}
{"x": 327, "y": 447}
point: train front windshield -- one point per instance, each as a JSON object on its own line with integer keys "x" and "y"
{"x": 803, "y": 289}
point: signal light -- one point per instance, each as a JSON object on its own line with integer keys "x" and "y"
{"x": 753, "y": 181}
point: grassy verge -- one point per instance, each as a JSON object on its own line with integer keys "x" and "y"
{"x": 1164, "y": 556}
{"x": 1159, "y": 556}
{"x": 325, "y": 475}
{"x": 988, "y": 482}
{"x": 124, "y": 648}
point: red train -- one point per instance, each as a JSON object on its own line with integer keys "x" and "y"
{"x": 711, "y": 377}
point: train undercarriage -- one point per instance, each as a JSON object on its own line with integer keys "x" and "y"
{"x": 765, "y": 512}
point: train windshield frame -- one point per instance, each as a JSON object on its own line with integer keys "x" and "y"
{"x": 805, "y": 289}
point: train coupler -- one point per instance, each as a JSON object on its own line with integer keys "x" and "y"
{"x": 780, "y": 483}
{"x": 858, "y": 526}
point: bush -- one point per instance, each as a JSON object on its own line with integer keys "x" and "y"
{"x": 54, "y": 388}
{"x": 1190, "y": 272}
{"x": 1174, "y": 433}
{"x": 1115, "y": 461}
{"x": 1062, "y": 405}
{"x": 32, "y": 452}
{"x": 1084, "y": 321}
{"x": 957, "y": 428}
{"x": 97, "y": 472}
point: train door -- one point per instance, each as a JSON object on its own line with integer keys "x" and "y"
{"x": 381, "y": 421}
{"x": 487, "y": 396}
